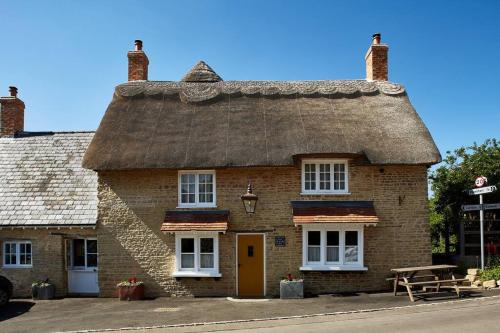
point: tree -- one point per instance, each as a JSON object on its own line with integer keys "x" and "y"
{"x": 457, "y": 173}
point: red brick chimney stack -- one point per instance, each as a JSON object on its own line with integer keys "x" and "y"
{"x": 376, "y": 60}
{"x": 137, "y": 63}
{"x": 11, "y": 114}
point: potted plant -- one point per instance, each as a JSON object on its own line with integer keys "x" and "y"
{"x": 130, "y": 290}
{"x": 291, "y": 288}
{"x": 43, "y": 290}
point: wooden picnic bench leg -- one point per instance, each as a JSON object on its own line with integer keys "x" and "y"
{"x": 396, "y": 283}
{"x": 455, "y": 284}
{"x": 408, "y": 288}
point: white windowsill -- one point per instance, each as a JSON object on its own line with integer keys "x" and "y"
{"x": 196, "y": 274}
{"x": 344, "y": 268}
{"x": 325, "y": 193}
{"x": 196, "y": 206}
{"x": 17, "y": 266}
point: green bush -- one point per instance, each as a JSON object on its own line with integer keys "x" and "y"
{"x": 492, "y": 273}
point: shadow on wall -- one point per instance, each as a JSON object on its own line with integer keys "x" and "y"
{"x": 14, "y": 309}
{"x": 133, "y": 245}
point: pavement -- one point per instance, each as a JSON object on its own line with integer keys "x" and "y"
{"x": 80, "y": 314}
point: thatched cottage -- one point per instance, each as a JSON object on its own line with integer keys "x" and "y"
{"x": 208, "y": 187}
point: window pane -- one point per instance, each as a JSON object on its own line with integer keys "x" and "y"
{"x": 91, "y": 260}
{"x": 188, "y": 187}
{"x": 351, "y": 253}
{"x": 314, "y": 238}
{"x": 324, "y": 176}
{"x": 206, "y": 260}
{"x": 24, "y": 254}
{"x": 351, "y": 238}
{"x": 339, "y": 176}
{"x": 205, "y": 188}
{"x": 310, "y": 176}
{"x": 206, "y": 245}
{"x": 187, "y": 260}
{"x": 91, "y": 246}
{"x": 79, "y": 252}
{"x": 187, "y": 245}
{"x": 313, "y": 253}
{"x": 332, "y": 253}
{"x": 332, "y": 238}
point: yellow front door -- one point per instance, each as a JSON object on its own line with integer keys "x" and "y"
{"x": 250, "y": 265}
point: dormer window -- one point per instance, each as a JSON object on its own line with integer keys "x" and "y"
{"x": 197, "y": 188}
{"x": 324, "y": 176}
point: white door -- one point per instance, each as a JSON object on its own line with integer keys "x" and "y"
{"x": 82, "y": 266}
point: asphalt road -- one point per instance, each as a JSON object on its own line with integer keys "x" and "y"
{"x": 469, "y": 316}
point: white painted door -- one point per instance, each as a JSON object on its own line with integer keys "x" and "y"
{"x": 82, "y": 266}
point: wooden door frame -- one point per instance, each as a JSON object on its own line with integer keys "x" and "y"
{"x": 263, "y": 234}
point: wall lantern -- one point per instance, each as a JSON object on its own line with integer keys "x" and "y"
{"x": 249, "y": 200}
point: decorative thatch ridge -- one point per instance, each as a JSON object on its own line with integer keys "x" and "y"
{"x": 201, "y": 72}
{"x": 195, "y": 92}
{"x": 183, "y": 125}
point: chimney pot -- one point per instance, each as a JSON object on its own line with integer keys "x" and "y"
{"x": 11, "y": 114}
{"x": 138, "y": 45}
{"x": 13, "y": 91}
{"x": 137, "y": 63}
{"x": 377, "y": 60}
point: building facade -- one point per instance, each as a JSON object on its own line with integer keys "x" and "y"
{"x": 339, "y": 170}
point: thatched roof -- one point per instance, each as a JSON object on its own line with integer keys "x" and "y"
{"x": 201, "y": 72}
{"x": 256, "y": 123}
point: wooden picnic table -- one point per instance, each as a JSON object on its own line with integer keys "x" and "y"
{"x": 438, "y": 275}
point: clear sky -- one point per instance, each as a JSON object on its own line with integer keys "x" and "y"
{"x": 67, "y": 56}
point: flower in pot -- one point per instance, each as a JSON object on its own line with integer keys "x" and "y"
{"x": 291, "y": 288}
{"x": 130, "y": 290}
{"x": 43, "y": 289}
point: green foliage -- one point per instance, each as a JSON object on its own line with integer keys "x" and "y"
{"x": 491, "y": 274}
{"x": 457, "y": 173}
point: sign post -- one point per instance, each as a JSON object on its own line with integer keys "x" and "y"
{"x": 481, "y": 229}
{"x": 480, "y": 190}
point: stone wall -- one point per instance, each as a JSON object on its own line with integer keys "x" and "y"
{"x": 48, "y": 258}
{"x": 132, "y": 205}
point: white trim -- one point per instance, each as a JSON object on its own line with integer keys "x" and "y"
{"x": 333, "y": 268}
{"x": 84, "y": 268}
{"x": 264, "y": 259}
{"x": 323, "y": 265}
{"x": 196, "y": 204}
{"x": 196, "y": 271}
{"x": 35, "y": 227}
{"x": 195, "y": 274}
{"x": 332, "y": 191}
{"x": 18, "y": 254}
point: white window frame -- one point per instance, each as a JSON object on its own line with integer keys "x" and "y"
{"x": 72, "y": 255}
{"x": 341, "y": 265}
{"x": 18, "y": 253}
{"x": 317, "y": 162}
{"x": 197, "y": 271}
{"x": 197, "y": 189}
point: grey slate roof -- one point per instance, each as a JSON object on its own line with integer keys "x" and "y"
{"x": 43, "y": 183}
{"x": 202, "y": 124}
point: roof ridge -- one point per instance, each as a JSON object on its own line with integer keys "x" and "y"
{"x": 201, "y": 72}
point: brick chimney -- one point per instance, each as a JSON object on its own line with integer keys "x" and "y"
{"x": 376, "y": 60}
{"x": 137, "y": 63}
{"x": 11, "y": 114}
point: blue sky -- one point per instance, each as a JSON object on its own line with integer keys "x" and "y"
{"x": 66, "y": 56}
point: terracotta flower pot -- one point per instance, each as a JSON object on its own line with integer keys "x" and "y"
{"x": 131, "y": 293}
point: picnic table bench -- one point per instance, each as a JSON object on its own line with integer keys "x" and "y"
{"x": 439, "y": 275}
